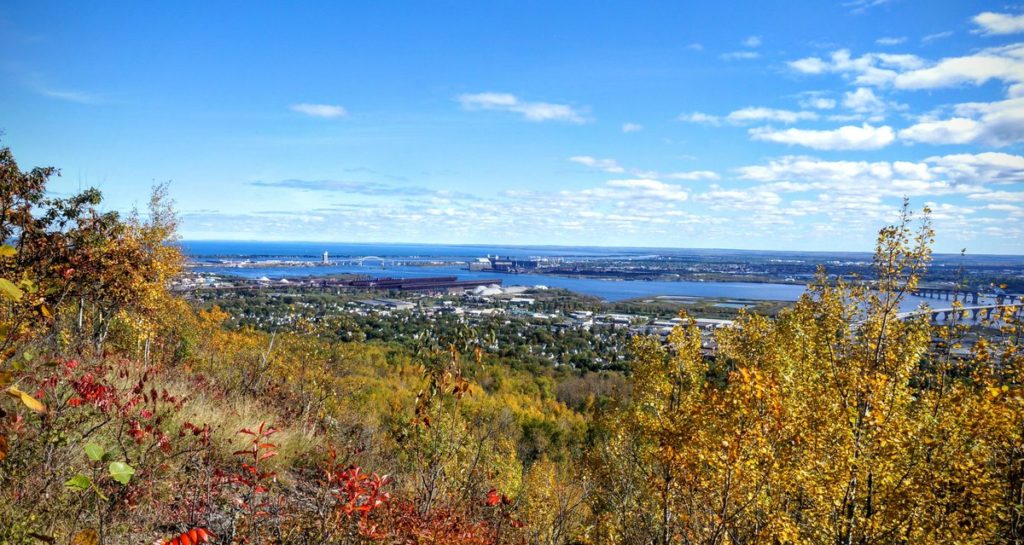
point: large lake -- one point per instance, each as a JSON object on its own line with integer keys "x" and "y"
{"x": 210, "y": 254}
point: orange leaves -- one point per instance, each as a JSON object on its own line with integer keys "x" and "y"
{"x": 194, "y": 536}
{"x": 460, "y": 387}
{"x": 408, "y": 525}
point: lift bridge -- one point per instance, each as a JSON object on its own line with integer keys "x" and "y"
{"x": 368, "y": 260}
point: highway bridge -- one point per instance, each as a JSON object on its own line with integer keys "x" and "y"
{"x": 974, "y": 312}
{"x": 972, "y": 296}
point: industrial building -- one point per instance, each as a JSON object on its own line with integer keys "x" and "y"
{"x": 433, "y": 283}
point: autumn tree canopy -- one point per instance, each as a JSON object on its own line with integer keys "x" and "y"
{"x": 133, "y": 416}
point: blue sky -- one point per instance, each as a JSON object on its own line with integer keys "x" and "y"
{"x": 762, "y": 125}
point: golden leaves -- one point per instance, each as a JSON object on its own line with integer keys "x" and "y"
{"x": 27, "y": 400}
{"x": 836, "y": 402}
{"x": 87, "y": 536}
{"x": 9, "y": 290}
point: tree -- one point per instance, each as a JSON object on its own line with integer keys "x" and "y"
{"x": 835, "y": 423}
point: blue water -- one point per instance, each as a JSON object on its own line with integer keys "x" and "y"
{"x": 212, "y": 254}
{"x": 313, "y": 250}
{"x": 609, "y": 290}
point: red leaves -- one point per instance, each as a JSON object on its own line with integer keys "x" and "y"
{"x": 377, "y": 515}
{"x": 359, "y": 493}
{"x": 494, "y": 498}
{"x": 441, "y": 525}
{"x": 251, "y": 477}
{"x": 258, "y": 449}
{"x": 191, "y": 537}
{"x": 203, "y": 433}
{"x": 135, "y": 431}
{"x": 260, "y": 432}
{"x": 91, "y": 391}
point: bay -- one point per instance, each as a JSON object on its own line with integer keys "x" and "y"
{"x": 276, "y": 260}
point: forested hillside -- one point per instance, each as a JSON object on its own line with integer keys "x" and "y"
{"x": 134, "y": 416}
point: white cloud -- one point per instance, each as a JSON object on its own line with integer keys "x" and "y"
{"x": 861, "y": 6}
{"x": 814, "y": 100}
{"x": 957, "y": 130}
{"x": 740, "y": 55}
{"x": 999, "y": 23}
{"x": 850, "y": 137}
{"x": 891, "y": 40}
{"x": 753, "y": 114}
{"x": 69, "y": 96}
{"x": 633, "y": 206}
{"x": 993, "y": 123}
{"x": 936, "y": 36}
{"x": 740, "y": 199}
{"x": 693, "y": 175}
{"x": 999, "y": 63}
{"x": 870, "y": 69}
{"x": 531, "y": 111}
{"x": 607, "y": 165}
{"x": 1013, "y": 209}
{"x": 810, "y": 65}
{"x": 37, "y": 84}
{"x": 998, "y": 196}
{"x": 959, "y": 174}
{"x": 652, "y": 189}
{"x": 612, "y": 166}
{"x": 979, "y": 168}
{"x": 816, "y": 173}
{"x": 695, "y": 47}
{"x": 792, "y": 198}
{"x": 752, "y": 41}
{"x": 867, "y": 105}
{"x": 700, "y": 117}
{"x": 905, "y": 71}
{"x": 326, "y": 111}
{"x": 863, "y": 100}
{"x": 632, "y": 127}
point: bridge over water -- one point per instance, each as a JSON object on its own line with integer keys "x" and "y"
{"x": 361, "y": 261}
{"x": 975, "y": 312}
{"x": 972, "y": 296}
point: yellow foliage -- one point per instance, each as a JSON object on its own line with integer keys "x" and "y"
{"x": 834, "y": 423}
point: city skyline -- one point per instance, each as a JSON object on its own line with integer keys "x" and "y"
{"x": 750, "y": 126}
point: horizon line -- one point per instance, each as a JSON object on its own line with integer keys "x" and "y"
{"x": 581, "y": 246}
